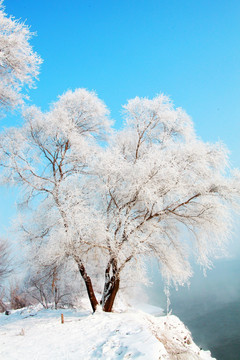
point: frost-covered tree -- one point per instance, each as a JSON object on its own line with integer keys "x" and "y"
{"x": 5, "y": 270}
{"x": 155, "y": 191}
{"x": 164, "y": 192}
{"x": 19, "y": 64}
{"x": 5, "y": 263}
{"x": 48, "y": 157}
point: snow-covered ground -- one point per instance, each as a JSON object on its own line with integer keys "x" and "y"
{"x": 38, "y": 334}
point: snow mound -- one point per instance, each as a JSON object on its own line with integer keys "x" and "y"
{"x": 39, "y": 334}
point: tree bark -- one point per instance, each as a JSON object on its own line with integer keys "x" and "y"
{"x": 88, "y": 283}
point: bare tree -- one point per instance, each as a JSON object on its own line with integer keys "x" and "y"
{"x": 47, "y": 287}
{"x": 3, "y": 306}
{"x": 18, "y": 297}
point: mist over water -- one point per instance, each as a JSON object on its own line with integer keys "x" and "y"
{"x": 210, "y": 307}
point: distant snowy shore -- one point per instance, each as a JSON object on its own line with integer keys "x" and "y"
{"x": 37, "y": 334}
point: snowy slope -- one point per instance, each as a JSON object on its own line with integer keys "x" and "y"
{"x": 38, "y": 334}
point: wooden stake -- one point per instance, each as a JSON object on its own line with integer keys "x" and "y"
{"x": 62, "y": 319}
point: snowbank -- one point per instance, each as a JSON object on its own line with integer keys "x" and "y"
{"x": 38, "y": 334}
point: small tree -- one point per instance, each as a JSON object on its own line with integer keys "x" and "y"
{"x": 51, "y": 286}
{"x": 5, "y": 263}
{"x": 5, "y": 271}
{"x": 3, "y": 305}
{"x": 18, "y": 297}
{"x": 155, "y": 191}
{"x": 19, "y": 64}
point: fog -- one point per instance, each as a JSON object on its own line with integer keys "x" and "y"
{"x": 210, "y": 306}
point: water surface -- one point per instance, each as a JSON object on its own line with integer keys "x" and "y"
{"x": 210, "y": 308}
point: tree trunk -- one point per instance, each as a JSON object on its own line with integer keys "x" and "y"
{"x": 56, "y": 297}
{"x": 111, "y": 285}
{"x": 88, "y": 283}
{"x": 111, "y": 296}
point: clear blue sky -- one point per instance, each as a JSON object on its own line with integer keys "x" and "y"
{"x": 189, "y": 50}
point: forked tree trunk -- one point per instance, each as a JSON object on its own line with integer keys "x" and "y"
{"x": 111, "y": 286}
{"x": 88, "y": 283}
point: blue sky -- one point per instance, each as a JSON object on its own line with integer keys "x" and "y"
{"x": 189, "y": 50}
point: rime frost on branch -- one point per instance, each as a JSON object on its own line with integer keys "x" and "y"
{"x": 19, "y": 64}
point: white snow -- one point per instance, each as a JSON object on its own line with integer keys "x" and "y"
{"x": 35, "y": 333}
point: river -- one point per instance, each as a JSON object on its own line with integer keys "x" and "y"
{"x": 210, "y": 307}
